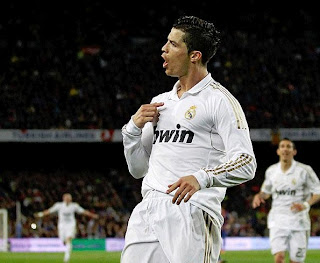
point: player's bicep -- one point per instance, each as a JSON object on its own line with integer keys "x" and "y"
{"x": 54, "y": 208}
{"x": 266, "y": 186}
{"x": 232, "y": 126}
{"x": 79, "y": 209}
{"x": 313, "y": 181}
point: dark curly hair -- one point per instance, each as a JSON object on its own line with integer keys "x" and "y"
{"x": 199, "y": 35}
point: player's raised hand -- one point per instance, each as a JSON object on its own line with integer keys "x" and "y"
{"x": 147, "y": 113}
{"x": 186, "y": 186}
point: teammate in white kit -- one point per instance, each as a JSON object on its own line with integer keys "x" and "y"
{"x": 188, "y": 145}
{"x": 294, "y": 187}
{"x": 66, "y": 220}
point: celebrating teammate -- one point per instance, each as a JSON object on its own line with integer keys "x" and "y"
{"x": 294, "y": 187}
{"x": 66, "y": 220}
{"x": 188, "y": 145}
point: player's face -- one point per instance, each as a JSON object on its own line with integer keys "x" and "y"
{"x": 286, "y": 150}
{"x": 175, "y": 54}
{"x": 67, "y": 198}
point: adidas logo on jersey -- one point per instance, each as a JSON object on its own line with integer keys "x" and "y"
{"x": 184, "y": 136}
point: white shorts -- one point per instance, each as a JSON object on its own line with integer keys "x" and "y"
{"x": 161, "y": 232}
{"x": 295, "y": 242}
{"x": 66, "y": 231}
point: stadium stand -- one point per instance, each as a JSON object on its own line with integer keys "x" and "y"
{"x": 91, "y": 65}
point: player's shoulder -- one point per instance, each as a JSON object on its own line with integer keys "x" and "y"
{"x": 305, "y": 167}
{"x": 58, "y": 204}
{"x": 272, "y": 167}
{"x": 218, "y": 92}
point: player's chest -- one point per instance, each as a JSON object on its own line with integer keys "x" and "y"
{"x": 189, "y": 113}
{"x": 287, "y": 181}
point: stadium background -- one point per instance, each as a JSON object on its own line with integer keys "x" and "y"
{"x": 91, "y": 64}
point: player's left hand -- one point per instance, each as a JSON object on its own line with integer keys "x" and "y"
{"x": 95, "y": 216}
{"x": 298, "y": 207}
{"x": 186, "y": 186}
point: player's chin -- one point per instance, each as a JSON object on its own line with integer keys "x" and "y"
{"x": 170, "y": 73}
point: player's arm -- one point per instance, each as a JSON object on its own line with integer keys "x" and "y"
{"x": 80, "y": 210}
{"x": 48, "y": 211}
{"x": 42, "y": 213}
{"x": 297, "y": 207}
{"x": 313, "y": 184}
{"x": 241, "y": 163}
{"x": 137, "y": 138}
{"x": 259, "y": 199}
{"x": 90, "y": 214}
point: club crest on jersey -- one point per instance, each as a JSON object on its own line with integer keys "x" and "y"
{"x": 190, "y": 113}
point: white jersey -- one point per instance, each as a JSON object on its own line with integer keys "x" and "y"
{"x": 203, "y": 133}
{"x": 66, "y": 212}
{"x": 295, "y": 185}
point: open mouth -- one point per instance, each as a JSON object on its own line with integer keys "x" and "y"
{"x": 165, "y": 64}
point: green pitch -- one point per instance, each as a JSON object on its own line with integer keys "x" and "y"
{"x": 114, "y": 257}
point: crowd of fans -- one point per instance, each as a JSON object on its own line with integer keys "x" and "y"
{"x": 92, "y": 65}
{"x": 112, "y": 194}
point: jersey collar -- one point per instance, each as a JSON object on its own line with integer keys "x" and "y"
{"x": 195, "y": 89}
{"x": 290, "y": 170}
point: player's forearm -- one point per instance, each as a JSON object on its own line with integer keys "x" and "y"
{"x": 263, "y": 195}
{"x": 136, "y": 157}
{"x": 90, "y": 214}
{"x": 315, "y": 198}
{"x": 232, "y": 173}
{"x": 43, "y": 213}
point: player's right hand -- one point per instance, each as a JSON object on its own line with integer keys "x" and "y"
{"x": 147, "y": 113}
{"x": 257, "y": 200}
{"x": 39, "y": 214}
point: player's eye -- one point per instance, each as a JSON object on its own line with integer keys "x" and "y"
{"x": 172, "y": 43}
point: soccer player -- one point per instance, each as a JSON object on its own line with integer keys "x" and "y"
{"x": 189, "y": 144}
{"x": 294, "y": 187}
{"x": 66, "y": 220}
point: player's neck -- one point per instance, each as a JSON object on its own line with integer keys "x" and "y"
{"x": 191, "y": 79}
{"x": 285, "y": 165}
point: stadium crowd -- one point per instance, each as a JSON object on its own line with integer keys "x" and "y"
{"x": 112, "y": 194}
{"x": 96, "y": 64}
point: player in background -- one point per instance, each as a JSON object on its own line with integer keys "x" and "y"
{"x": 66, "y": 220}
{"x": 189, "y": 144}
{"x": 294, "y": 187}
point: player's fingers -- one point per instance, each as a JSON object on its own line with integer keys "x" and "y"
{"x": 256, "y": 203}
{"x": 182, "y": 195}
{"x": 157, "y": 104}
{"x": 187, "y": 198}
{"x": 178, "y": 193}
{"x": 172, "y": 187}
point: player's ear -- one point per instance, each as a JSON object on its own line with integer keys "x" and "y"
{"x": 295, "y": 152}
{"x": 195, "y": 56}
